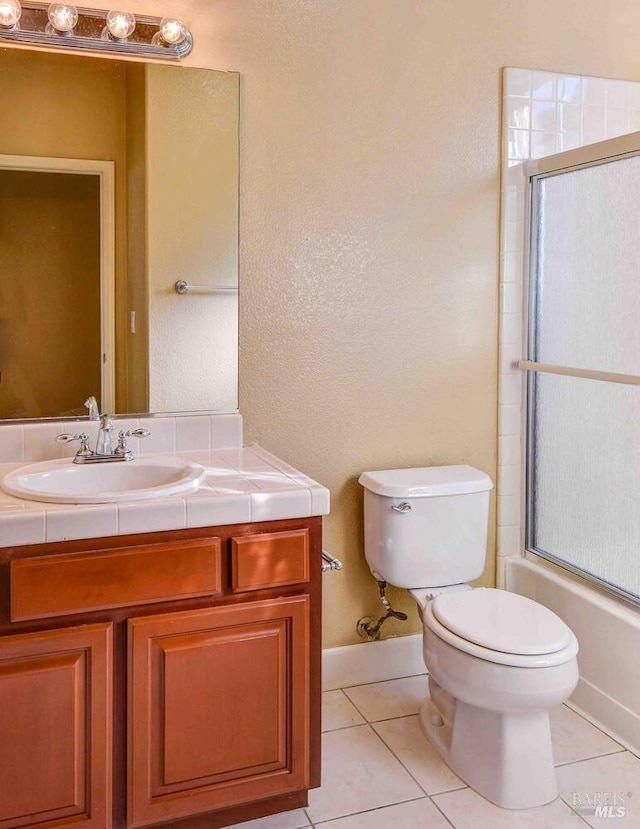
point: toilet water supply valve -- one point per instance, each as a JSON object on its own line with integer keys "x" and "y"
{"x": 368, "y": 628}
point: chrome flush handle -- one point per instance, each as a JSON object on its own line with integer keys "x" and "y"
{"x": 404, "y": 506}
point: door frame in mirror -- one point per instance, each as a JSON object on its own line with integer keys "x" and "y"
{"x": 106, "y": 174}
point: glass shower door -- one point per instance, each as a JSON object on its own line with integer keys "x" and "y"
{"x": 583, "y": 499}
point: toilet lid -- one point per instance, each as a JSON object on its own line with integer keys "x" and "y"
{"x": 501, "y": 621}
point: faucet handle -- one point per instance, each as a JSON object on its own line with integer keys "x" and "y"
{"x": 136, "y": 433}
{"x": 83, "y": 437}
{"x": 122, "y": 450}
{"x": 140, "y": 433}
{"x": 67, "y": 438}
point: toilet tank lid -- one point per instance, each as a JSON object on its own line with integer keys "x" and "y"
{"x": 426, "y": 481}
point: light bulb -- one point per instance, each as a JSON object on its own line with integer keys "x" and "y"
{"x": 120, "y": 24}
{"x": 172, "y": 31}
{"x": 63, "y": 17}
{"x": 10, "y": 11}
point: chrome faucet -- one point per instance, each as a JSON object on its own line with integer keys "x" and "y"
{"x": 103, "y": 444}
{"x": 104, "y": 451}
{"x": 92, "y": 404}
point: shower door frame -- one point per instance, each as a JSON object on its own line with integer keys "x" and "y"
{"x": 590, "y": 155}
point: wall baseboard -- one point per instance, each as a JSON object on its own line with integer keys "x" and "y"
{"x": 372, "y": 662}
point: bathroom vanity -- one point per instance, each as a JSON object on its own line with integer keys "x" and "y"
{"x": 159, "y": 657}
{"x": 149, "y": 677}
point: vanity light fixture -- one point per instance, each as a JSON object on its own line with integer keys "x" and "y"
{"x": 172, "y": 31}
{"x": 63, "y": 25}
{"x": 62, "y": 17}
{"x": 10, "y": 11}
{"x": 119, "y": 25}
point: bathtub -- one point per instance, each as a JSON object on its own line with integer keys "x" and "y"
{"x": 608, "y": 630}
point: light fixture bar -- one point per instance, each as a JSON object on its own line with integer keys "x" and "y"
{"x": 88, "y": 34}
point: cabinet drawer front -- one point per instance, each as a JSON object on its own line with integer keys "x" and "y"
{"x": 269, "y": 560}
{"x": 63, "y": 584}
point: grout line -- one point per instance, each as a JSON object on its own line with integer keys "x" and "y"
{"x": 345, "y": 727}
{"x": 398, "y": 717}
{"x": 417, "y": 782}
{"x": 371, "y": 811}
{"x": 586, "y": 719}
{"x": 621, "y": 750}
{"x": 381, "y": 681}
{"x": 440, "y": 810}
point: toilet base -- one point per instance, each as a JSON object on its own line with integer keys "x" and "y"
{"x": 505, "y": 757}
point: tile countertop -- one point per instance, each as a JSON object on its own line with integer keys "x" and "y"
{"x": 243, "y": 484}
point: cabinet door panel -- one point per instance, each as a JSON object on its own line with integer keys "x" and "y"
{"x": 243, "y": 667}
{"x": 55, "y": 713}
{"x": 218, "y": 708}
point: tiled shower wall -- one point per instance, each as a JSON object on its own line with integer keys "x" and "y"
{"x": 543, "y": 113}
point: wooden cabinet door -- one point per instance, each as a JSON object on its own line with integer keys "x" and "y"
{"x": 55, "y": 728}
{"x": 218, "y": 708}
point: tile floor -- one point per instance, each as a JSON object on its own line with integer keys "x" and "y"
{"x": 380, "y": 773}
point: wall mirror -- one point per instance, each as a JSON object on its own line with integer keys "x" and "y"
{"x": 118, "y": 179}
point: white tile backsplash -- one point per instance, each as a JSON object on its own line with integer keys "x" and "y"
{"x": 32, "y": 442}
{"x": 11, "y": 444}
{"x": 193, "y": 433}
{"x": 162, "y": 437}
{"x": 40, "y": 442}
{"x": 226, "y": 431}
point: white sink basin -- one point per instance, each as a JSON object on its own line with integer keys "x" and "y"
{"x": 65, "y": 482}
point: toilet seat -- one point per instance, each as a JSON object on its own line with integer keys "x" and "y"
{"x": 502, "y": 621}
{"x": 457, "y": 608}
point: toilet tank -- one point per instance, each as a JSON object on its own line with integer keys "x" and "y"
{"x": 426, "y": 527}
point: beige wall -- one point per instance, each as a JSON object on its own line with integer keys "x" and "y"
{"x": 369, "y": 225}
{"x": 192, "y": 234}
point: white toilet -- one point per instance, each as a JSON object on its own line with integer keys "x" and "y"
{"x": 497, "y": 661}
